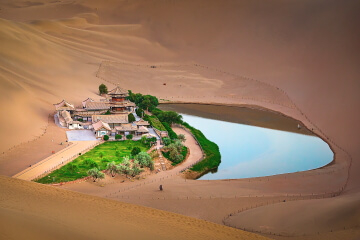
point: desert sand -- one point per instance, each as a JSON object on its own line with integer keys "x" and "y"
{"x": 299, "y": 58}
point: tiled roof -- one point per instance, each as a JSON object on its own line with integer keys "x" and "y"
{"x": 100, "y": 124}
{"x": 97, "y": 105}
{"x": 64, "y": 105}
{"x": 142, "y": 129}
{"x": 142, "y": 122}
{"x": 117, "y": 118}
{"x": 118, "y": 91}
{"x": 126, "y": 127}
{"x": 86, "y": 101}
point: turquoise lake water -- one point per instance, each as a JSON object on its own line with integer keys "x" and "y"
{"x": 250, "y": 151}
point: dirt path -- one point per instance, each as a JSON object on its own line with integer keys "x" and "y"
{"x": 56, "y": 160}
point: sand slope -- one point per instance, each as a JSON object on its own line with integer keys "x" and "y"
{"x": 47, "y": 215}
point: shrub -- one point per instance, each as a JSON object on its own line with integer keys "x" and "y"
{"x": 148, "y": 141}
{"x": 135, "y": 170}
{"x": 131, "y": 118}
{"x": 112, "y": 168}
{"x": 129, "y": 137}
{"x": 106, "y": 137}
{"x": 144, "y": 160}
{"x": 166, "y": 141}
{"x": 95, "y": 174}
{"x": 175, "y": 152}
{"x": 154, "y": 154}
{"x": 181, "y": 137}
{"x": 135, "y": 151}
{"x": 103, "y": 89}
{"x": 118, "y": 136}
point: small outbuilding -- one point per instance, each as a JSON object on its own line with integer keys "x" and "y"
{"x": 101, "y": 128}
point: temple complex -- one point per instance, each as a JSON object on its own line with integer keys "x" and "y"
{"x": 107, "y": 116}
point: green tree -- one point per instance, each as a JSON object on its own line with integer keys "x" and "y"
{"x": 135, "y": 151}
{"x": 144, "y": 160}
{"x": 118, "y": 136}
{"x": 129, "y": 137}
{"x": 103, "y": 89}
{"x": 122, "y": 169}
{"x": 146, "y": 104}
{"x": 95, "y": 174}
{"x": 131, "y": 118}
{"x": 169, "y": 117}
{"x": 106, "y": 137}
{"x": 112, "y": 168}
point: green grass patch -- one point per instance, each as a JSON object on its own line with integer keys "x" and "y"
{"x": 213, "y": 157}
{"x": 98, "y": 157}
{"x": 155, "y": 122}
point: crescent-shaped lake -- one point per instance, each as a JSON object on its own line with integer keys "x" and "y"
{"x": 254, "y": 142}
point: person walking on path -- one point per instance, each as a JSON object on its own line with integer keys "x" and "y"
{"x": 160, "y": 187}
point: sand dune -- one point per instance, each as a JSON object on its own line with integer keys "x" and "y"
{"x": 52, "y": 50}
{"x": 47, "y": 215}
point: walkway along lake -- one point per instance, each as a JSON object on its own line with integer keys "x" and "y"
{"x": 255, "y": 143}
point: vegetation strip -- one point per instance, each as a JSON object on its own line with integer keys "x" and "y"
{"x": 98, "y": 158}
{"x": 211, "y": 150}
